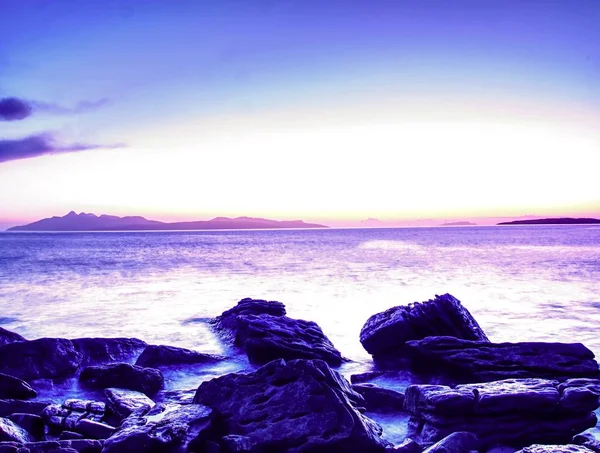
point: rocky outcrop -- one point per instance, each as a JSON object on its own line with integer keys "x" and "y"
{"x": 385, "y": 334}
{"x": 514, "y": 412}
{"x": 123, "y": 402}
{"x": 263, "y": 331}
{"x": 158, "y": 356}
{"x": 296, "y": 406}
{"x": 460, "y": 442}
{"x": 12, "y": 387}
{"x": 164, "y": 428}
{"x": 6, "y": 337}
{"x": 42, "y": 358}
{"x": 11, "y": 432}
{"x": 379, "y": 399}
{"x": 555, "y": 449}
{"x": 68, "y": 415}
{"x": 97, "y": 351}
{"x": 477, "y": 361}
{"x": 123, "y": 375}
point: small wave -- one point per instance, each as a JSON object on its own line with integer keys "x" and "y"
{"x": 197, "y": 321}
{"x": 7, "y": 320}
{"x": 391, "y": 245}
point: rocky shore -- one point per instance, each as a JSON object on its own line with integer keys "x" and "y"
{"x": 467, "y": 394}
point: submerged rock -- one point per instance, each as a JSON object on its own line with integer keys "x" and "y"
{"x": 42, "y": 358}
{"x": 385, "y": 334}
{"x": 6, "y": 337}
{"x": 11, "y": 432}
{"x": 12, "y": 387}
{"x": 123, "y": 375}
{"x": 262, "y": 330}
{"x": 513, "y": 412}
{"x": 296, "y": 406}
{"x": 164, "y": 428}
{"x": 476, "y": 361}
{"x": 379, "y": 399}
{"x": 122, "y": 402}
{"x": 108, "y": 350}
{"x": 157, "y": 356}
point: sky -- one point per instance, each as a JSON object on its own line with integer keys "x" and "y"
{"x": 329, "y": 111}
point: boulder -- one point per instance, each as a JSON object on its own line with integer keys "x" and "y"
{"x": 10, "y": 406}
{"x": 94, "y": 429}
{"x": 12, "y": 387}
{"x": 555, "y": 449}
{"x": 379, "y": 399}
{"x": 513, "y": 412}
{"x": 477, "y": 361}
{"x": 97, "y": 351}
{"x": 460, "y": 442}
{"x": 33, "y": 424}
{"x": 385, "y": 334}
{"x": 123, "y": 375}
{"x": 42, "y": 358}
{"x": 296, "y": 406}
{"x": 11, "y": 432}
{"x": 588, "y": 441}
{"x": 263, "y": 331}
{"x": 122, "y": 402}
{"x": 68, "y": 415}
{"x": 164, "y": 428}
{"x": 228, "y": 319}
{"x": 6, "y": 337}
{"x": 157, "y": 356}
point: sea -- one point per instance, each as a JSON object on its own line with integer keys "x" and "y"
{"x": 521, "y": 283}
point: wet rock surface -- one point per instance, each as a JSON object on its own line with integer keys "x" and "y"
{"x": 514, "y": 412}
{"x": 459, "y": 442}
{"x": 588, "y": 441}
{"x": 11, "y": 406}
{"x": 11, "y": 432}
{"x": 122, "y": 402}
{"x": 379, "y": 399}
{"x": 161, "y": 355}
{"x": 67, "y": 416}
{"x": 12, "y": 387}
{"x": 123, "y": 375}
{"x": 42, "y": 358}
{"x": 385, "y": 334}
{"x": 555, "y": 449}
{"x": 33, "y": 424}
{"x": 263, "y": 331}
{"x": 107, "y": 350}
{"x": 476, "y": 361}
{"x": 295, "y": 406}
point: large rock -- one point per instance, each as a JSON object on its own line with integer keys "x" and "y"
{"x": 460, "y": 442}
{"x": 6, "y": 337}
{"x": 476, "y": 361}
{"x": 68, "y": 415}
{"x": 513, "y": 412}
{"x": 122, "y": 402}
{"x": 157, "y": 356}
{"x": 296, "y": 406}
{"x": 385, "y": 334}
{"x": 108, "y": 350}
{"x": 12, "y": 387}
{"x": 379, "y": 399}
{"x": 262, "y": 330}
{"x": 10, "y": 406}
{"x": 164, "y": 428}
{"x": 123, "y": 375}
{"x": 588, "y": 441}
{"x": 11, "y": 432}
{"x": 33, "y": 424}
{"x": 42, "y": 358}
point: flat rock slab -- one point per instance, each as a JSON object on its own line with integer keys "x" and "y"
{"x": 13, "y": 387}
{"x": 161, "y": 355}
{"x": 41, "y": 358}
{"x": 263, "y": 331}
{"x": 478, "y": 361}
{"x": 108, "y": 350}
{"x": 385, "y": 334}
{"x": 122, "y": 402}
{"x": 296, "y": 406}
{"x": 514, "y": 412}
{"x": 123, "y": 375}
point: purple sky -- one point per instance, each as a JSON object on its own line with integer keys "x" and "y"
{"x": 313, "y": 109}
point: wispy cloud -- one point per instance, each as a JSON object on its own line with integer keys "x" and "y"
{"x": 40, "y": 145}
{"x": 14, "y": 109}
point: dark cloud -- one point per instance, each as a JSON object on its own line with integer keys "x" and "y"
{"x": 39, "y": 145}
{"x": 14, "y": 109}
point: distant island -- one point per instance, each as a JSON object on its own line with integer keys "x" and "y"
{"x": 463, "y": 223}
{"x": 91, "y": 222}
{"x": 558, "y": 221}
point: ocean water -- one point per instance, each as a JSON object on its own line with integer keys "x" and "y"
{"x": 522, "y": 283}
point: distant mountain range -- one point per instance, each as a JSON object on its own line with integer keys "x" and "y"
{"x": 460, "y": 223}
{"x": 91, "y": 222}
{"x": 558, "y": 221}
